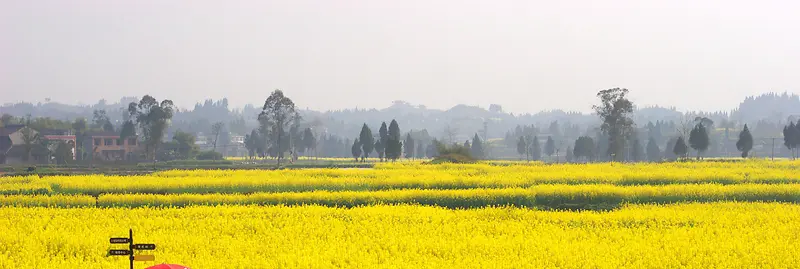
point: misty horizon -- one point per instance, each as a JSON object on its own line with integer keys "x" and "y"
{"x": 527, "y": 56}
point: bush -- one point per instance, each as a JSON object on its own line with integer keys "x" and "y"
{"x": 209, "y": 155}
{"x": 452, "y": 154}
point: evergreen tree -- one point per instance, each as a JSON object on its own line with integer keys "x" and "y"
{"x": 380, "y": 149}
{"x": 309, "y": 141}
{"x": 698, "y": 139}
{"x": 394, "y": 147}
{"x": 408, "y": 146}
{"x": 522, "y": 147}
{"x": 550, "y": 146}
{"x": 790, "y": 138}
{"x": 477, "y": 147}
{"x": 637, "y": 152}
{"x": 420, "y": 151}
{"x": 680, "y": 148}
{"x": 367, "y": 142}
{"x": 356, "y": 149}
{"x": 584, "y": 147}
{"x": 653, "y": 152}
{"x": 466, "y": 144}
{"x": 668, "y": 153}
{"x": 745, "y": 143}
{"x": 380, "y": 145}
{"x": 569, "y": 155}
{"x": 536, "y": 150}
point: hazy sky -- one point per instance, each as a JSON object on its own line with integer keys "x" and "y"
{"x": 526, "y": 55}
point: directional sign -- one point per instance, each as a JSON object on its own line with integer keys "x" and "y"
{"x": 120, "y": 240}
{"x": 119, "y": 252}
{"x": 144, "y": 246}
{"x": 144, "y": 258}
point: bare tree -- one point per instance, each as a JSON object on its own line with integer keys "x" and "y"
{"x": 450, "y": 132}
{"x": 216, "y": 129}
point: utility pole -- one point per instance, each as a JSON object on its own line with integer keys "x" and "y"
{"x": 773, "y": 149}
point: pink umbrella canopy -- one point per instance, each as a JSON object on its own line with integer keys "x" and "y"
{"x": 167, "y": 266}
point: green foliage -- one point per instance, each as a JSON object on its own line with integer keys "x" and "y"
{"x": 309, "y": 141}
{"x": 408, "y": 146}
{"x": 637, "y": 151}
{"x": 477, "y": 150}
{"x": 278, "y": 111}
{"x": 680, "y": 149}
{"x": 550, "y": 146}
{"x": 452, "y": 154}
{"x": 569, "y": 156}
{"x": 535, "y": 149}
{"x": 653, "y": 152}
{"x": 394, "y": 147}
{"x": 153, "y": 118}
{"x": 383, "y": 138}
{"x": 614, "y": 111}
{"x": 209, "y": 155}
{"x": 698, "y": 139}
{"x": 745, "y": 142}
{"x": 356, "y": 149}
{"x": 522, "y": 146}
{"x": 584, "y": 148}
{"x": 367, "y": 141}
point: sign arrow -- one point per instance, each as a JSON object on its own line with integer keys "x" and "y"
{"x": 144, "y": 246}
{"x": 119, "y": 252}
{"x": 120, "y": 240}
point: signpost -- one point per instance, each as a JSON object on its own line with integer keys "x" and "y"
{"x": 131, "y": 247}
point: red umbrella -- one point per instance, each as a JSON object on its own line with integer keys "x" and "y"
{"x": 167, "y": 266}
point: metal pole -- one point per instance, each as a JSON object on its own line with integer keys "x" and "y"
{"x": 130, "y": 246}
{"x": 773, "y": 149}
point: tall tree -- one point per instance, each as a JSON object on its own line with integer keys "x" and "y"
{"x": 745, "y": 143}
{"x": 550, "y": 146}
{"x": 79, "y": 126}
{"x": 790, "y": 137}
{"x": 408, "y": 146}
{"x": 680, "y": 149}
{"x": 420, "y": 151}
{"x": 394, "y": 147}
{"x": 63, "y": 152}
{"x": 653, "y": 152}
{"x": 251, "y": 143}
{"x": 356, "y": 149}
{"x": 536, "y": 149}
{"x": 30, "y": 138}
{"x": 614, "y": 111}
{"x": 367, "y": 142}
{"x": 569, "y": 155}
{"x": 186, "y": 147}
{"x": 698, "y": 139}
{"x": 101, "y": 120}
{"x": 278, "y": 111}
{"x": 383, "y": 137}
{"x": 477, "y": 148}
{"x": 216, "y": 129}
{"x": 522, "y": 148}
{"x": 637, "y": 151}
{"x": 153, "y": 118}
{"x": 584, "y": 147}
{"x": 309, "y": 141}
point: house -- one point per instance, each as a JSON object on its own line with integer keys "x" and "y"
{"x": 14, "y": 150}
{"x": 56, "y": 135}
{"x": 108, "y": 146}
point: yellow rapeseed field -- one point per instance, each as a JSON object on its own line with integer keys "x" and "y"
{"x": 718, "y": 235}
{"x": 720, "y": 214}
{"x": 414, "y": 176}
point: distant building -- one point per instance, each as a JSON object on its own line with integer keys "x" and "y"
{"x": 108, "y": 146}
{"x": 56, "y": 135}
{"x": 13, "y": 149}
